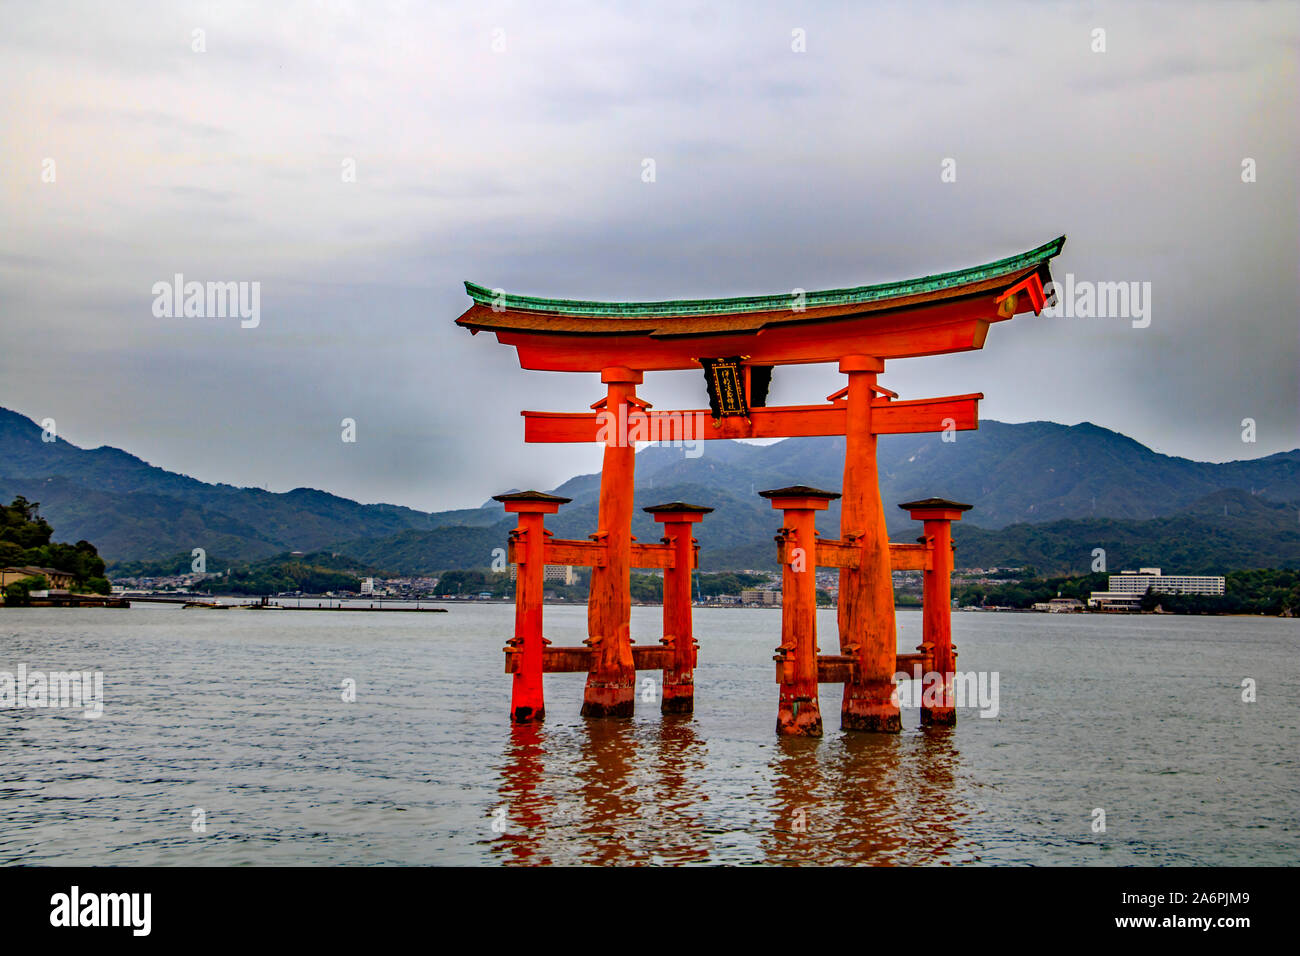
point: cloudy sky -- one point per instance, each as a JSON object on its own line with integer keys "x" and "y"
{"x": 504, "y": 143}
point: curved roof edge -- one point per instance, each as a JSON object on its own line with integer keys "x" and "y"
{"x": 768, "y": 303}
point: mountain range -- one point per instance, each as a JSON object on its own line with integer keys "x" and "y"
{"x": 1043, "y": 494}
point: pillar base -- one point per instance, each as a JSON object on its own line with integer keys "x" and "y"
{"x": 872, "y": 708}
{"x": 527, "y": 715}
{"x": 678, "y": 705}
{"x": 800, "y": 718}
{"x": 938, "y": 716}
{"x": 679, "y": 698}
{"x": 609, "y": 698}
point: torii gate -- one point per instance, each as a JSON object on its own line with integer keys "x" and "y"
{"x": 738, "y": 341}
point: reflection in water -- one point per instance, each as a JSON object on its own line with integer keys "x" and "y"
{"x": 797, "y": 787}
{"x": 527, "y": 807}
{"x": 608, "y": 792}
{"x": 866, "y": 799}
{"x": 680, "y": 798}
{"x": 620, "y": 792}
{"x": 626, "y": 794}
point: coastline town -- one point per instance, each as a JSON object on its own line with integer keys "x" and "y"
{"x": 1124, "y": 594}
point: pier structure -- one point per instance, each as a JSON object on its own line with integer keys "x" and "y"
{"x": 738, "y": 342}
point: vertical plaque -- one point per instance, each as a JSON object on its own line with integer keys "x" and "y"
{"x": 726, "y": 383}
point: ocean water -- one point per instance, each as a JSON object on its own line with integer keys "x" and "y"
{"x": 238, "y": 719}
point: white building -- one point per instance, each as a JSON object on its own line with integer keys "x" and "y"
{"x": 1138, "y": 582}
{"x": 1128, "y": 587}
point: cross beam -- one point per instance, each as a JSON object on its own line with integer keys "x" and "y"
{"x": 835, "y": 553}
{"x": 592, "y": 554}
{"x": 577, "y": 660}
{"x": 888, "y": 417}
{"x": 842, "y": 668}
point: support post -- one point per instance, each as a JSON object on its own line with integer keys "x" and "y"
{"x": 611, "y": 682}
{"x": 798, "y": 711}
{"x": 679, "y": 678}
{"x": 527, "y": 698}
{"x": 938, "y": 704}
{"x": 866, "y": 601}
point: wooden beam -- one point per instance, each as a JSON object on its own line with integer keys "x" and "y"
{"x": 959, "y": 412}
{"x": 579, "y": 554}
{"x": 591, "y": 554}
{"x": 831, "y": 553}
{"x": 834, "y": 553}
{"x": 909, "y": 557}
{"x": 838, "y": 668}
{"x": 577, "y": 660}
{"x": 952, "y": 326}
{"x": 653, "y": 556}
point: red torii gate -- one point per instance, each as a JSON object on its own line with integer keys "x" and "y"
{"x": 858, "y": 328}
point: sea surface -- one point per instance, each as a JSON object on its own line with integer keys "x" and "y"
{"x": 225, "y": 740}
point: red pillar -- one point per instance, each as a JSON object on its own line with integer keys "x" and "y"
{"x": 866, "y": 602}
{"x": 527, "y": 700}
{"x": 938, "y": 514}
{"x": 679, "y": 679}
{"x": 611, "y": 682}
{"x": 798, "y": 712}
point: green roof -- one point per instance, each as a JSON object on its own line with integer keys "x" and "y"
{"x": 770, "y": 303}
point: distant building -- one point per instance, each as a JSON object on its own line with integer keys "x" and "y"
{"x": 1060, "y": 605}
{"x": 57, "y": 580}
{"x": 1150, "y": 578}
{"x": 367, "y": 585}
{"x": 563, "y": 573}
{"x": 1128, "y": 587}
{"x": 760, "y": 596}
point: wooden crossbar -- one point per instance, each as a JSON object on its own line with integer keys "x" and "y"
{"x": 888, "y": 417}
{"x": 834, "y": 553}
{"x": 591, "y": 554}
{"x": 840, "y": 668}
{"x": 577, "y": 660}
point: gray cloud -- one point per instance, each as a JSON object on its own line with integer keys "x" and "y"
{"x": 522, "y": 169}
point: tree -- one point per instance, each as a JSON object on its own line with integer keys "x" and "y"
{"x": 471, "y": 581}
{"x": 25, "y": 540}
{"x": 19, "y": 593}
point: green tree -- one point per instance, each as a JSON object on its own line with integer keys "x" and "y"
{"x": 19, "y": 593}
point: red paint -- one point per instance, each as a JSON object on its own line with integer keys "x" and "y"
{"x": 936, "y": 603}
{"x": 611, "y": 682}
{"x": 798, "y": 710}
{"x": 860, "y": 337}
{"x": 866, "y": 601}
{"x": 679, "y": 678}
{"x": 527, "y": 700}
{"x": 888, "y": 417}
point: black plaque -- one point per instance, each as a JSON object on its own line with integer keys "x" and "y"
{"x": 726, "y": 384}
